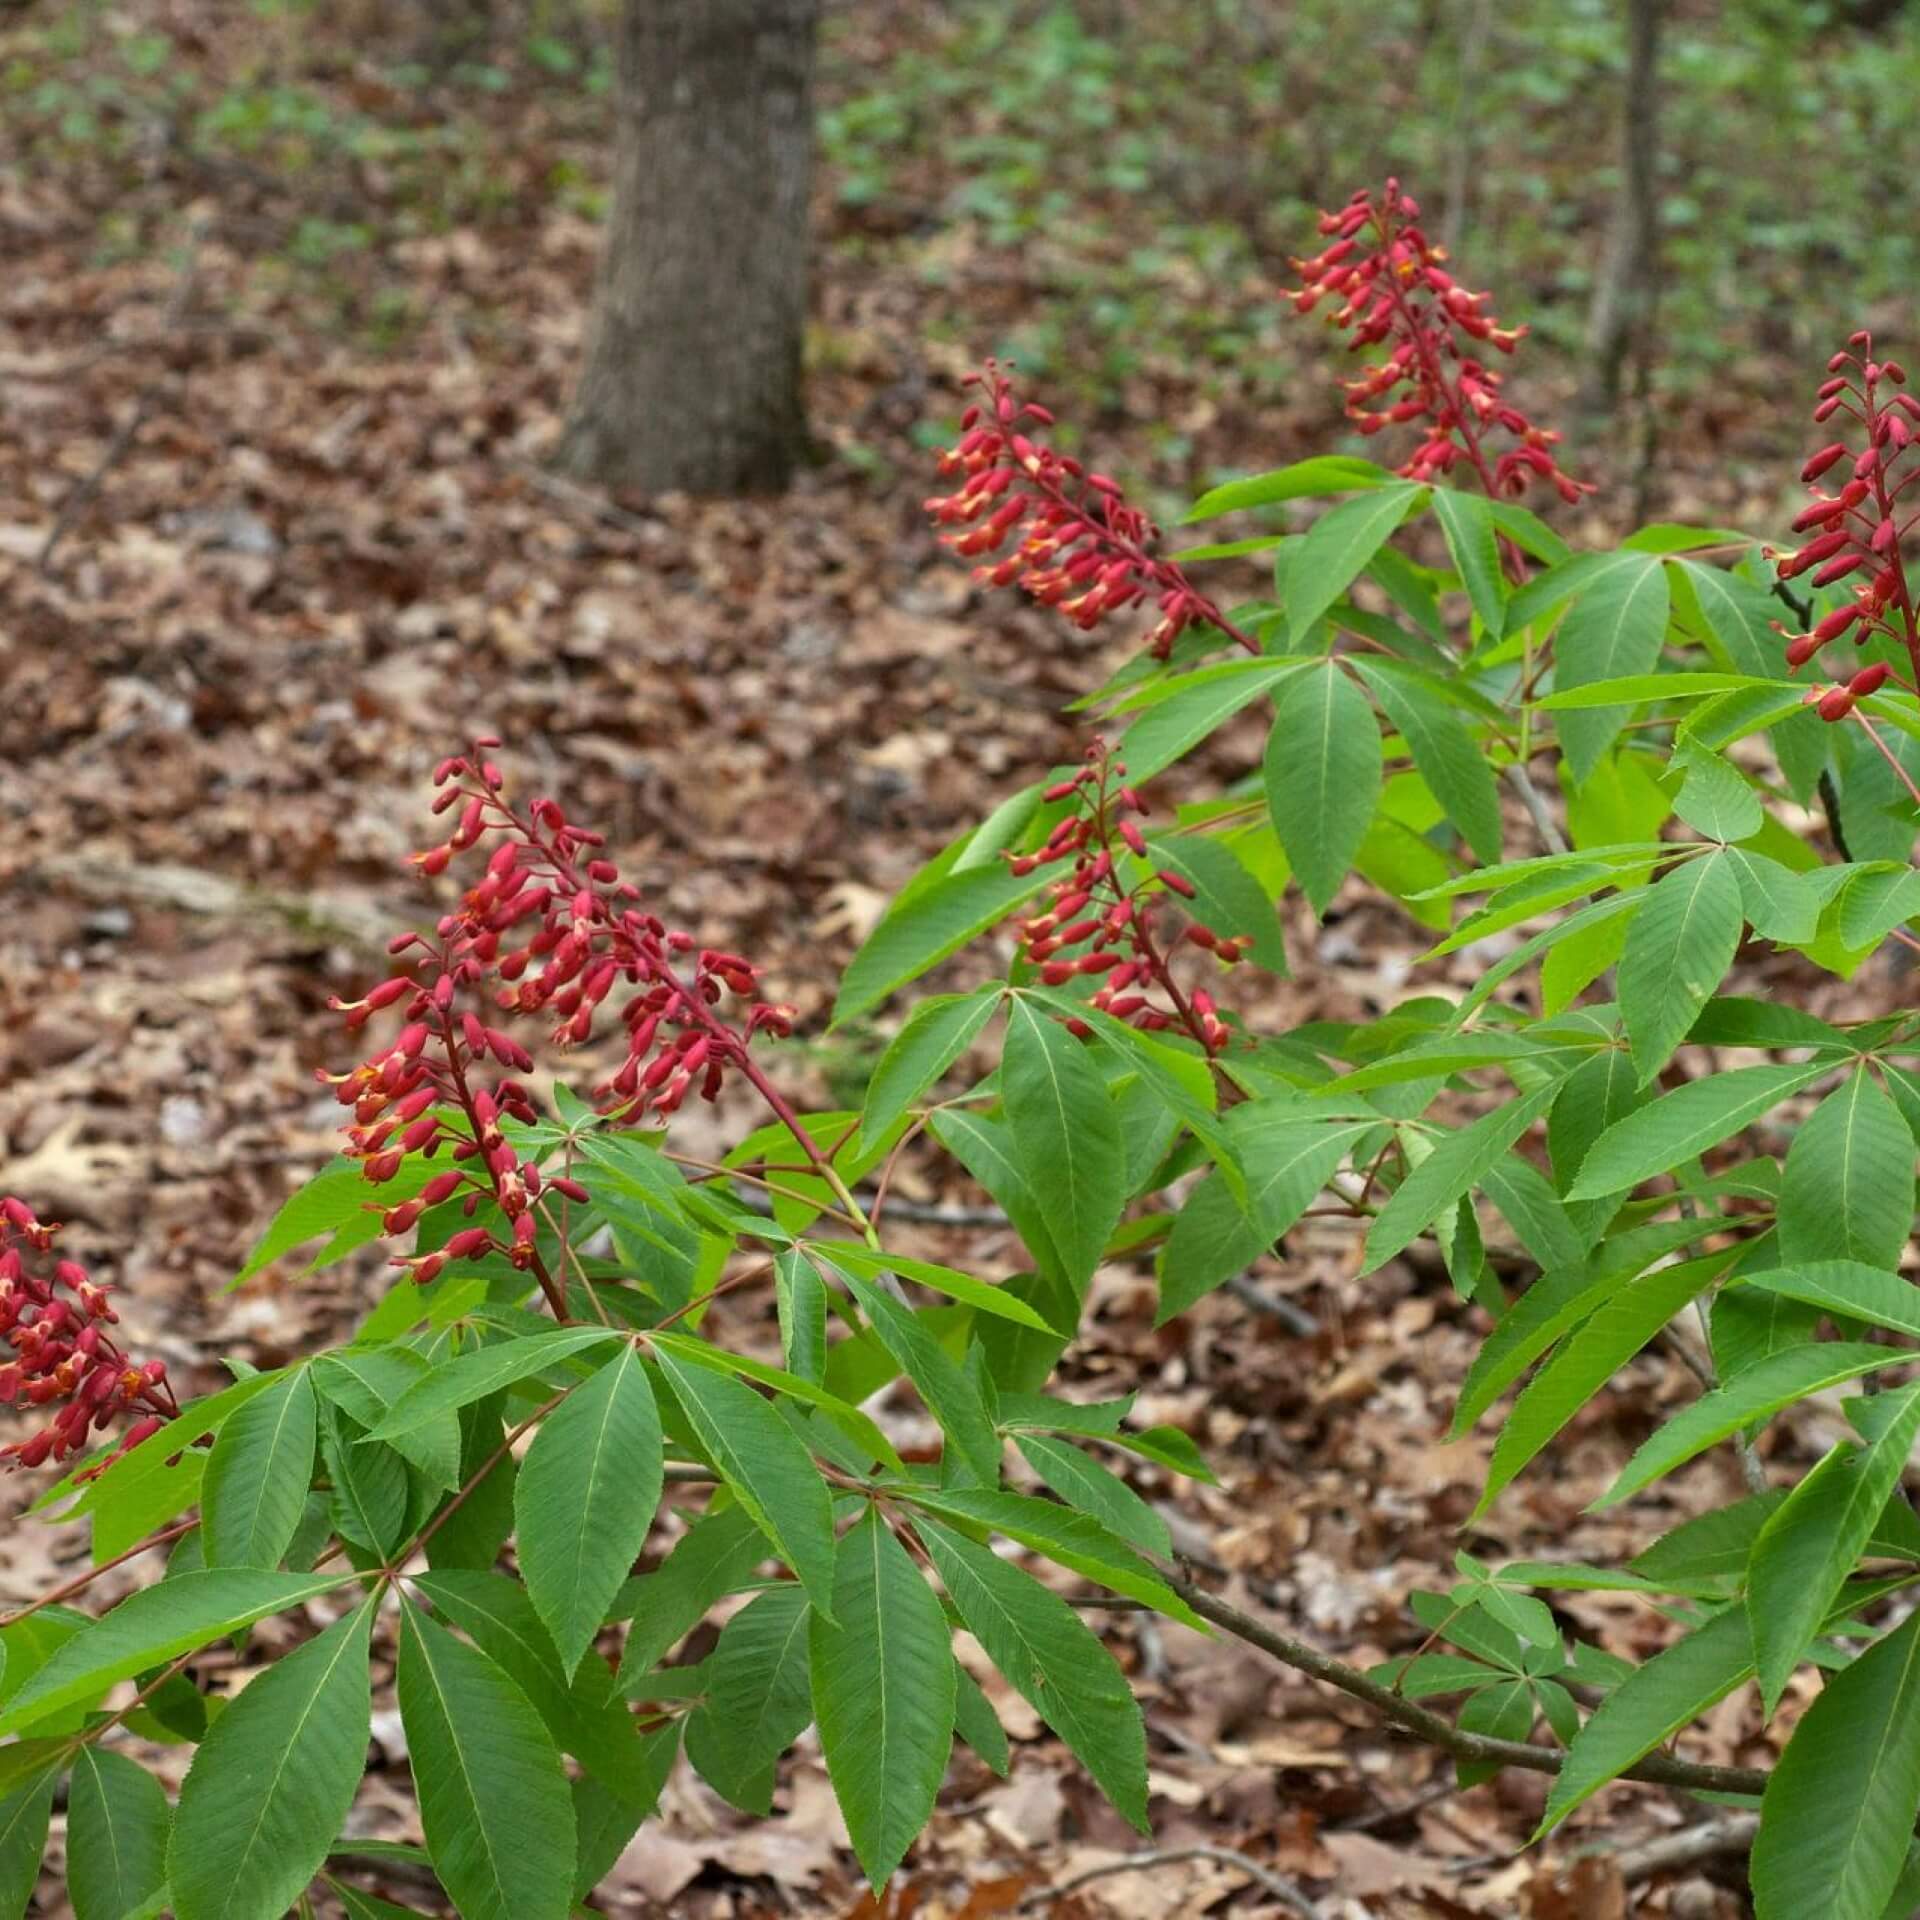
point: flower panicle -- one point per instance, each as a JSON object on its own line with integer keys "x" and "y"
{"x": 1077, "y": 543}
{"x": 548, "y": 929}
{"x": 1102, "y": 916}
{"x": 62, "y": 1356}
{"x": 1853, "y": 524}
{"x": 1390, "y": 285}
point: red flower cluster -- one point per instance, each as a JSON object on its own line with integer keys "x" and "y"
{"x": 1098, "y": 924}
{"x": 1392, "y": 285}
{"x": 555, "y": 930}
{"x": 57, "y": 1327}
{"x": 1081, "y": 548}
{"x": 1857, "y": 531}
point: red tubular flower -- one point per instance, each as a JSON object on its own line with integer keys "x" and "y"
{"x": 1392, "y": 286}
{"x": 1080, "y": 546}
{"x": 1100, "y": 922}
{"x": 1858, "y": 530}
{"x": 55, "y": 1327}
{"x": 548, "y": 928}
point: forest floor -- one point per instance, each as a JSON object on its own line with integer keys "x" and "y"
{"x": 261, "y": 567}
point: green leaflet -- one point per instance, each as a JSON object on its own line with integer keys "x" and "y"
{"x": 493, "y": 1795}
{"x": 25, "y": 1810}
{"x": 154, "y": 1625}
{"x": 585, "y": 1499}
{"x": 923, "y": 928}
{"x": 1192, "y": 706}
{"x": 273, "y": 1780}
{"x": 758, "y": 1699}
{"x": 117, "y": 1821}
{"x": 950, "y": 1395}
{"x": 1337, "y": 548}
{"x": 1213, "y": 1237}
{"x": 1809, "y": 1544}
{"x": 1322, "y": 772}
{"x": 1836, "y": 1821}
{"x": 256, "y": 1478}
{"x": 1845, "y": 1288}
{"x": 1680, "y": 945}
{"x": 1073, "y": 1540}
{"x": 1065, "y": 1129}
{"x": 1467, "y": 521}
{"x": 1088, "y": 1487}
{"x": 1304, "y": 480}
{"x": 1676, "y": 1126}
{"x": 1651, "y": 1705}
{"x": 484, "y": 1370}
{"x": 1614, "y": 628}
{"x": 883, "y": 1694}
{"x": 761, "y": 1459}
{"x": 1847, "y": 1193}
{"x": 1455, "y": 1165}
{"x": 1759, "y": 1393}
{"x": 935, "y": 1035}
{"x": 1444, "y": 751}
{"x": 1616, "y": 1331}
{"x": 1054, "y": 1661}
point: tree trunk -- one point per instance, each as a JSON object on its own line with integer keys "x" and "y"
{"x": 692, "y": 376}
{"x": 1623, "y": 297}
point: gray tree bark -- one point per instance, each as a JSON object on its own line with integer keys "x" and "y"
{"x": 692, "y": 379}
{"x": 1623, "y": 296}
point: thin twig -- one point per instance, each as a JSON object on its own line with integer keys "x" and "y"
{"x": 1521, "y": 781}
{"x": 1285, "y": 1891}
{"x": 1658, "y": 1769}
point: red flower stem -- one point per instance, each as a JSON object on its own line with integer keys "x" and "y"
{"x": 80, "y": 1582}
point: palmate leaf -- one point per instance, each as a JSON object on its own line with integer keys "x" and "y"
{"x": 1847, "y": 1289}
{"x": 273, "y": 1780}
{"x": 1322, "y": 773}
{"x": 1836, "y": 1821}
{"x": 585, "y": 1499}
{"x": 883, "y": 1694}
{"x": 1472, "y": 539}
{"x": 493, "y": 1795}
{"x": 484, "y": 1370}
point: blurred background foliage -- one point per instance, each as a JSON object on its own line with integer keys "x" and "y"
{"x": 1107, "y": 189}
